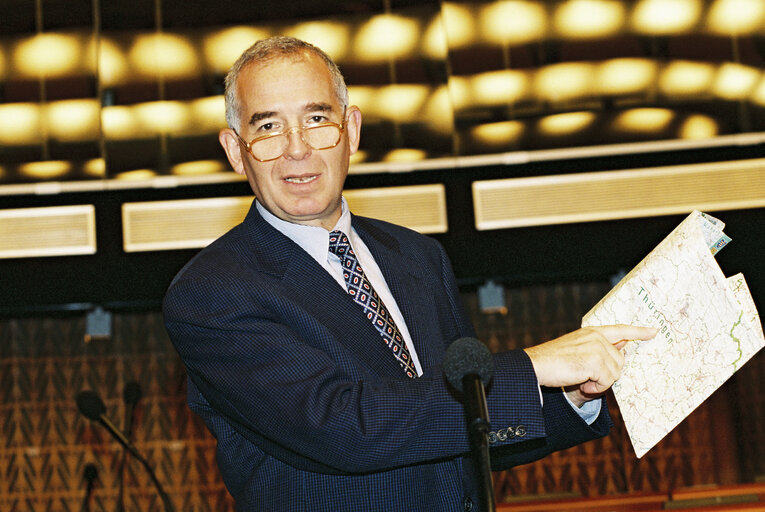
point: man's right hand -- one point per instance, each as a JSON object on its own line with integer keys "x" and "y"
{"x": 587, "y": 361}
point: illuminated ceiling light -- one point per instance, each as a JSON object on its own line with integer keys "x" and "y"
{"x": 626, "y": 76}
{"x": 90, "y": 58}
{"x": 401, "y": 102}
{"x": 74, "y": 120}
{"x": 499, "y": 87}
{"x": 165, "y": 55}
{"x": 209, "y": 114}
{"x": 589, "y": 18}
{"x": 198, "y": 167}
{"x": 222, "y": 48}
{"x": 2, "y": 64}
{"x": 561, "y": 82}
{"x": 458, "y": 23}
{"x": 513, "y": 22}
{"x": 686, "y": 78}
{"x": 459, "y": 91}
{"x": 120, "y": 123}
{"x": 137, "y": 175}
{"x": 439, "y": 113}
{"x": 363, "y": 96}
{"x": 95, "y": 167}
{"x": 20, "y": 124}
{"x": 331, "y": 36}
{"x": 47, "y": 170}
{"x": 644, "y": 120}
{"x": 434, "y": 43}
{"x": 48, "y": 55}
{"x": 405, "y": 155}
{"x": 358, "y": 157}
{"x": 498, "y": 134}
{"x": 112, "y": 63}
{"x": 658, "y": 17}
{"x": 163, "y": 116}
{"x": 386, "y": 36}
{"x": 565, "y": 124}
{"x": 698, "y": 127}
{"x": 758, "y": 95}
{"x": 735, "y": 81}
{"x": 736, "y": 16}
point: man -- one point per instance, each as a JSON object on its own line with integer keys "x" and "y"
{"x": 314, "y": 407}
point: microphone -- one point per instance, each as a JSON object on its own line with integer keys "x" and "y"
{"x": 468, "y": 367}
{"x": 467, "y": 356}
{"x": 131, "y": 394}
{"x": 90, "y": 474}
{"x": 92, "y": 407}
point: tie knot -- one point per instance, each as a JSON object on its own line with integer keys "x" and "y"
{"x": 339, "y": 244}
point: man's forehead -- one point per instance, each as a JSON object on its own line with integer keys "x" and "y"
{"x": 266, "y": 90}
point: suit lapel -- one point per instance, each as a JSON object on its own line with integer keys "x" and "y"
{"x": 409, "y": 288}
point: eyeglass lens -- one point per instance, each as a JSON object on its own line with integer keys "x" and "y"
{"x": 317, "y": 137}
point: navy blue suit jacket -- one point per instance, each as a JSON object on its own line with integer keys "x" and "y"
{"x": 310, "y": 409}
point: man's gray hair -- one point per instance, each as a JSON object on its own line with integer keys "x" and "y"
{"x": 271, "y": 48}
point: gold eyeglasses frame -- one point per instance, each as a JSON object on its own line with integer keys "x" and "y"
{"x": 287, "y": 133}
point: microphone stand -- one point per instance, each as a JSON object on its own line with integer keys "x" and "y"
{"x": 468, "y": 367}
{"x": 131, "y": 394}
{"x": 121, "y": 494}
{"x": 478, "y": 431}
{"x": 162, "y": 494}
{"x": 125, "y": 442}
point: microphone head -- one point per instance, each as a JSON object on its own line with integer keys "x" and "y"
{"x": 131, "y": 394}
{"x": 467, "y": 356}
{"x": 91, "y": 472}
{"x": 90, "y": 404}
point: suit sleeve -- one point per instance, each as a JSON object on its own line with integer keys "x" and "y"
{"x": 531, "y": 431}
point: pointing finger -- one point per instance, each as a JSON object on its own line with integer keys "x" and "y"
{"x": 616, "y": 334}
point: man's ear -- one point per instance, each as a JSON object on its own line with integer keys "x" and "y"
{"x": 230, "y": 142}
{"x": 353, "y": 127}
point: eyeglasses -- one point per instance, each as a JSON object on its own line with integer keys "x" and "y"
{"x": 272, "y": 146}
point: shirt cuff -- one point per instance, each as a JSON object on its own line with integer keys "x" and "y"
{"x": 589, "y": 411}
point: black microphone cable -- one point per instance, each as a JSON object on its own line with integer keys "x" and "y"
{"x": 131, "y": 394}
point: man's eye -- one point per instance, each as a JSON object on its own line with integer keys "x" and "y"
{"x": 267, "y": 127}
{"x": 317, "y": 119}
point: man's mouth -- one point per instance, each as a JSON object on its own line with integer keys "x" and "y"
{"x": 300, "y": 179}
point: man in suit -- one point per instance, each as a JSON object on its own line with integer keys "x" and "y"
{"x": 315, "y": 407}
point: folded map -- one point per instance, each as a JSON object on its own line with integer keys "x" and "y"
{"x": 708, "y": 328}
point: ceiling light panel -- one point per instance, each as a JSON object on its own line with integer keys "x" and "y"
{"x": 49, "y": 231}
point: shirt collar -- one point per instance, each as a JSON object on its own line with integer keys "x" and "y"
{"x": 313, "y": 239}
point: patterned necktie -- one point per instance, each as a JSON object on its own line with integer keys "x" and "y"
{"x": 362, "y": 292}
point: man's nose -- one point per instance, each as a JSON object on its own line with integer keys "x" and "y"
{"x": 297, "y": 149}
